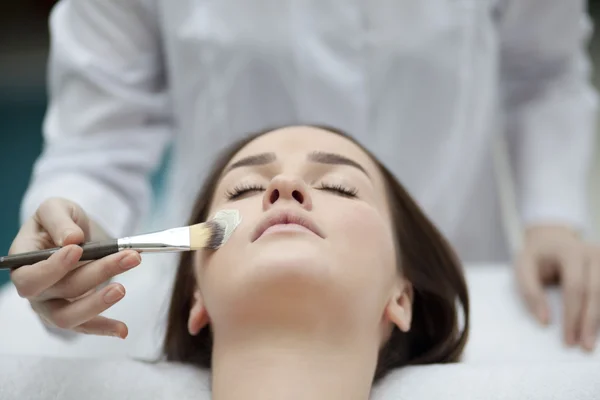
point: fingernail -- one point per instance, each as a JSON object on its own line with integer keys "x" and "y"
{"x": 589, "y": 342}
{"x": 114, "y": 294}
{"x": 129, "y": 261}
{"x": 66, "y": 235}
{"x": 543, "y": 315}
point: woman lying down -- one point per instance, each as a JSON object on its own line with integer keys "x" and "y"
{"x": 358, "y": 283}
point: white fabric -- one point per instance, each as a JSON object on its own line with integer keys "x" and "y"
{"x": 508, "y": 355}
{"x": 423, "y": 84}
{"x": 37, "y": 378}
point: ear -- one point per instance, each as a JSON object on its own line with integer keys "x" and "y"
{"x": 198, "y": 316}
{"x": 399, "y": 308}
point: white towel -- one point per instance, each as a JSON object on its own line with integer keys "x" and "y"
{"x": 508, "y": 356}
{"x": 533, "y": 381}
{"x": 35, "y": 378}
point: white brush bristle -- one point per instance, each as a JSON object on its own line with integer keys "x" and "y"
{"x": 230, "y": 219}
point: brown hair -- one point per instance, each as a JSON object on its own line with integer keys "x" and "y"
{"x": 425, "y": 258}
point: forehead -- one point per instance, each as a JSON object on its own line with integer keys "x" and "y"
{"x": 298, "y": 141}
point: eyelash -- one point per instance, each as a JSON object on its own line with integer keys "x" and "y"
{"x": 242, "y": 189}
{"x": 339, "y": 189}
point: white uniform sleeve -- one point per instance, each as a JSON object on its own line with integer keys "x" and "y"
{"x": 550, "y": 106}
{"x": 107, "y": 123}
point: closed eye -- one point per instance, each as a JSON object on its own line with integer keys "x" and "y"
{"x": 241, "y": 190}
{"x": 339, "y": 189}
{"x": 244, "y": 189}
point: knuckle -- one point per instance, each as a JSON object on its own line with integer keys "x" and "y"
{"x": 68, "y": 288}
{"x": 25, "y": 288}
{"x": 49, "y": 204}
{"x": 78, "y": 214}
{"x": 83, "y": 330}
{"x": 61, "y": 289}
{"x": 58, "y": 201}
{"x": 26, "y": 292}
{"x": 14, "y": 246}
{"x": 34, "y": 306}
{"x": 59, "y": 270}
{"x": 16, "y": 277}
{"x": 60, "y": 319}
{"x": 63, "y": 267}
{"x": 60, "y": 323}
{"x": 41, "y": 310}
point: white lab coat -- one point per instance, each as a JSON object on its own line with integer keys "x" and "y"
{"x": 425, "y": 85}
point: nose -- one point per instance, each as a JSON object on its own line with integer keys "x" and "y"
{"x": 287, "y": 189}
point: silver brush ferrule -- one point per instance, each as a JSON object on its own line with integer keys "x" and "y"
{"x": 176, "y": 239}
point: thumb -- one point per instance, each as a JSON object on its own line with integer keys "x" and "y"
{"x": 65, "y": 222}
{"x": 531, "y": 288}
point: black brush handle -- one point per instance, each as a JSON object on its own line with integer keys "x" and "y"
{"x": 91, "y": 251}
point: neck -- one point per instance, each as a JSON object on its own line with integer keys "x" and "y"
{"x": 279, "y": 367}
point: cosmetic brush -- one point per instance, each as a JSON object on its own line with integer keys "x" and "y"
{"x": 207, "y": 235}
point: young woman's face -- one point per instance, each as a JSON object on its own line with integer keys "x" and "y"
{"x": 316, "y": 240}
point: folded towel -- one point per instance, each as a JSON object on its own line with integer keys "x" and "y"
{"x": 37, "y": 378}
{"x": 529, "y": 381}
{"x": 508, "y": 356}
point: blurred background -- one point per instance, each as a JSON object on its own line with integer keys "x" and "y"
{"x": 23, "y": 52}
{"x": 24, "y": 45}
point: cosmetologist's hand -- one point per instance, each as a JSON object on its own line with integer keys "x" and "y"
{"x": 64, "y": 292}
{"x": 556, "y": 254}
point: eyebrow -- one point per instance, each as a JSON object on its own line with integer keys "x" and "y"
{"x": 334, "y": 159}
{"x": 257, "y": 159}
{"x": 316, "y": 156}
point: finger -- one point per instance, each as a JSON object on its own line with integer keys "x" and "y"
{"x": 93, "y": 290}
{"x": 104, "y": 327}
{"x": 591, "y": 312}
{"x": 531, "y": 288}
{"x": 29, "y": 239}
{"x": 64, "y": 221}
{"x": 67, "y": 315}
{"x": 573, "y": 282}
{"x": 95, "y": 273}
{"x": 32, "y": 280}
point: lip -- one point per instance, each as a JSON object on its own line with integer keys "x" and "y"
{"x": 286, "y": 217}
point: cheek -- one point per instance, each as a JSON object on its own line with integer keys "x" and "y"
{"x": 215, "y": 269}
{"x": 364, "y": 241}
{"x": 214, "y": 272}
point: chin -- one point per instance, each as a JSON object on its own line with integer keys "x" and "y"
{"x": 291, "y": 280}
{"x": 283, "y": 294}
{"x": 290, "y": 267}
{"x": 287, "y": 249}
